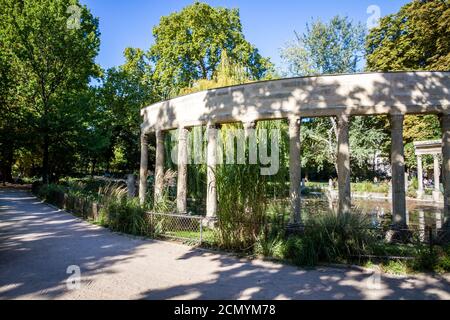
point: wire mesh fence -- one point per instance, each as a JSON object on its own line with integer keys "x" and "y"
{"x": 194, "y": 229}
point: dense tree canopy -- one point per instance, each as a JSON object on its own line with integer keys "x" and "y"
{"x": 53, "y": 61}
{"x": 415, "y": 38}
{"x": 189, "y": 44}
{"x": 56, "y": 120}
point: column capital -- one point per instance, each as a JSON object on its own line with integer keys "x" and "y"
{"x": 183, "y": 133}
{"x": 344, "y": 115}
{"x": 297, "y": 120}
{"x": 213, "y": 125}
{"x": 144, "y": 138}
{"x": 182, "y": 127}
{"x": 249, "y": 124}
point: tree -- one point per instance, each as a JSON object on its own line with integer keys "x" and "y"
{"x": 332, "y": 48}
{"x": 189, "y": 44}
{"x": 415, "y": 38}
{"x": 54, "y": 52}
{"x": 7, "y": 136}
{"x": 124, "y": 92}
{"x": 326, "y": 48}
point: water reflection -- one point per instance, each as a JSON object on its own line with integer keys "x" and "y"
{"x": 420, "y": 215}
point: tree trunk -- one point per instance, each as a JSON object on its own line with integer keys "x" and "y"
{"x": 7, "y": 160}
{"x": 45, "y": 160}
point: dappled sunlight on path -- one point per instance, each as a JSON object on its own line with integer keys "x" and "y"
{"x": 38, "y": 243}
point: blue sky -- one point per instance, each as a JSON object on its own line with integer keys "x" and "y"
{"x": 268, "y": 24}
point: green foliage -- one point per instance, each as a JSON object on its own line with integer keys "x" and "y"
{"x": 240, "y": 214}
{"x": 340, "y": 237}
{"x": 52, "y": 64}
{"x": 124, "y": 91}
{"x": 332, "y": 48}
{"x": 371, "y": 187}
{"x": 127, "y": 216}
{"x": 415, "y": 38}
{"x": 51, "y": 193}
{"x": 189, "y": 45}
{"x": 326, "y": 48}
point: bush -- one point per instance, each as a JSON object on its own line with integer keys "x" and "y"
{"x": 122, "y": 214}
{"x": 51, "y": 193}
{"x": 330, "y": 237}
{"x": 436, "y": 260}
{"x": 127, "y": 216}
{"x": 301, "y": 251}
{"x": 340, "y": 237}
{"x": 371, "y": 187}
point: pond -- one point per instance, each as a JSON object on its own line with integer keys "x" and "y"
{"x": 419, "y": 213}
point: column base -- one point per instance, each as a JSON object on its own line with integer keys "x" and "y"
{"x": 419, "y": 194}
{"x": 295, "y": 229}
{"x": 210, "y": 222}
{"x": 437, "y": 196}
{"x": 399, "y": 233}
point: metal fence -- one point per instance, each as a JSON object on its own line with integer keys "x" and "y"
{"x": 180, "y": 227}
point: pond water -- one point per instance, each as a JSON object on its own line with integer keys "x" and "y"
{"x": 420, "y": 214}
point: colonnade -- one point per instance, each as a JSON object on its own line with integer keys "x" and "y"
{"x": 341, "y": 97}
{"x": 343, "y": 165}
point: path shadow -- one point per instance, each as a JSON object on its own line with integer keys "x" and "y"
{"x": 38, "y": 244}
{"x": 260, "y": 280}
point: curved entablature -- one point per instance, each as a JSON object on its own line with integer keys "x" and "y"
{"x": 353, "y": 94}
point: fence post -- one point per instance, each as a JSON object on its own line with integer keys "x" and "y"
{"x": 201, "y": 231}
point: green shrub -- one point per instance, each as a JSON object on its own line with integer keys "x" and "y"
{"x": 371, "y": 187}
{"x": 328, "y": 237}
{"x": 436, "y": 260}
{"x": 51, "y": 193}
{"x": 339, "y": 237}
{"x": 270, "y": 245}
{"x": 301, "y": 251}
{"x": 123, "y": 214}
{"x": 127, "y": 216}
{"x": 242, "y": 206}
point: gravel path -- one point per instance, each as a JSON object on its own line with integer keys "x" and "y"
{"x": 39, "y": 243}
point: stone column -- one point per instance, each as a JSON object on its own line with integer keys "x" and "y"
{"x": 445, "y": 125}
{"x": 211, "y": 195}
{"x": 295, "y": 170}
{"x": 437, "y": 176}
{"x": 398, "y": 172}
{"x": 343, "y": 164}
{"x": 143, "y": 173}
{"x": 182, "y": 170}
{"x": 419, "y": 176}
{"x": 438, "y": 221}
{"x": 159, "y": 165}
